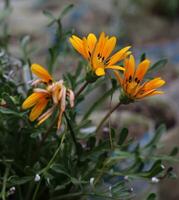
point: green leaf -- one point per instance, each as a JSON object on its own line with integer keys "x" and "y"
{"x": 142, "y": 57}
{"x": 123, "y": 136}
{"x": 174, "y": 151}
{"x": 155, "y": 170}
{"x": 49, "y": 14}
{"x": 158, "y": 65}
{"x": 9, "y": 101}
{"x": 157, "y": 135}
{"x": 66, "y": 10}
{"x": 20, "y": 180}
{"x": 152, "y": 196}
{"x": 24, "y": 41}
{"x": 7, "y": 111}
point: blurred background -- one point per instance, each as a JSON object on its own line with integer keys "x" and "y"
{"x": 149, "y": 26}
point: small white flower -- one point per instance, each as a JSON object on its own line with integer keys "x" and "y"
{"x": 37, "y": 178}
{"x": 92, "y": 181}
{"x": 126, "y": 177}
{"x": 162, "y": 166}
{"x": 12, "y": 190}
{"x": 155, "y": 180}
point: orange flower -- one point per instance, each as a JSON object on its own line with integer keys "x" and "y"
{"x": 98, "y": 52}
{"x": 54, "y": 92}
{"x": 132, "y": 82}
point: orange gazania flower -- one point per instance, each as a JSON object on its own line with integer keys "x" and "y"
{"x": 54, "y": 92}
{"x": 98, "y": 51}
{"x": 132, "y": 82}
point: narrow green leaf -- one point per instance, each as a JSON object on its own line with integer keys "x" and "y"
{"x": 158, "y": 65}
{"x": 157, "y": 135}
{"x": 20, "y": 180}
{"x": 48, "y": 14}
{"x": 7, "y": 111}
{"x": 142, "y": 57}
{"x": 174, "y": 151}
{"x": 152, "y": 196}
{"x": 123, "y": 136}
{"x": 66, "y": 10}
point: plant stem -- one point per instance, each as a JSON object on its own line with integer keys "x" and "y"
{"x": 36, "y": 191}
{"x": 103, "y": 120}
{"x": 81, "y": 89}
{"x": 71, "y": 132}
{"x": 44, "y": 137}
{"x": 3, "y": 192}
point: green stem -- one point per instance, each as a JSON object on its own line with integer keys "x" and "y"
{"x": 98, "y": 135}
{"x": 71, "y": 132}
{"x": 3, "y": 192}
{"x": 36, "y": 190}
{"x": 53, "y": 157}
{"x": 81, "y": 89}
{"x": 44, "y": 137}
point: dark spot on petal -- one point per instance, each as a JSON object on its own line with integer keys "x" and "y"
{"x": 136, "y": 79}
{"x": 130, "y": 79}
{"x": 89, "y": 53}
{"x": 50, "y": 81}
{"x": 102, "y": 58}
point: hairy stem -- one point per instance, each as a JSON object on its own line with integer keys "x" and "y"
{"x": 72, "y": 133}
{"x": 98, "y": 135}
{"x": 81, "y": 89}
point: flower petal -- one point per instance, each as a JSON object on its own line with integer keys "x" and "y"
{"x": 91, "y": 40}
{"x": 38, "y": 109}
{"x": 32, "y": 100}
{"x": 129, "y": 68}
{"x": 118, "y": 77}
{"x": 141, "y": 70}
{"x": 121, "y": 54}
{"x": 45, "y": 115}
{"x": 153, "y": 84}
{"x": 149, "y": 93}
{"x": 77, "y": 43}
{"x": 108, "y": 47}
{"x": 41, "y": 72}
{"x": 115, "y": 67}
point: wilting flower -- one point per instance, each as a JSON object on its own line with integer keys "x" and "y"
{"x": 132, "y": 82}
{"x": 54, "y": 92}
{"x": 98, "y": 51}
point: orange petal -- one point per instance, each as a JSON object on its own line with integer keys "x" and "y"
{"x": 32, "y": 100}
{"x": 41, "y": 72}
{"x": 149, "y": 93}
{"x": 142, "y": 69}
{"x": 91, "y": 40}
{"x": 119, "y": 55}
{"x": 153, "y": 84}
{"x": 129, "y": 68}
{"x": 77, "y": 43}
{"x": 108, "y": 47}
{"x": 118, "y": 77}
{"x": 38, "y": 109}
{"x": 115, "y": 67}
{"x": 99, "y": 45}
